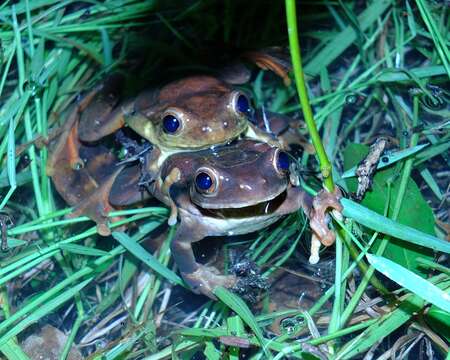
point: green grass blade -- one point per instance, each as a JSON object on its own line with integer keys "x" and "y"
{"x": 411, "y": 281}
{"x": 44, "y": 310}
{"x": 387, "y": 226}
{"x": 236, "y": 304}
{"x": 137, "y": 250}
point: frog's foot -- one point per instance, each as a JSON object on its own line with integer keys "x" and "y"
{"x": 275, "y": 59}
{"x": 319, "y": 219}
{"x": 250, "y": 281}
{"x": 206, "y": 278}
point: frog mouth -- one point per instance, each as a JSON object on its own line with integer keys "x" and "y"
{"x": 263, "y": 208}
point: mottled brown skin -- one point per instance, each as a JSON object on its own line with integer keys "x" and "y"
{"x": 204, "y": 104}
{"x": 83, "y": 175}
{"x": 250, "y": 193}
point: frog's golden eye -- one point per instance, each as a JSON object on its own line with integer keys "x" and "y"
{"x": 205, "y": 181}
{"x": 241, "y": 104}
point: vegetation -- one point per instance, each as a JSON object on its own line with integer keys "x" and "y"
{"x": 375, "y": 68}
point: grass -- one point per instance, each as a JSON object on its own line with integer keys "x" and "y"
{"x": 381, "y": 68}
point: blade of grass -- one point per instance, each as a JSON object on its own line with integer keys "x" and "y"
{"x": 240, "y": 307}
{"x": 137, "y": 250}
{"x": 411, "y": 281}
{"x": 325, "y": 166}
{"x": 387, "y": 226}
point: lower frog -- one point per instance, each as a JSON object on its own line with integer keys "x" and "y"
{"x": 230, "y": 190}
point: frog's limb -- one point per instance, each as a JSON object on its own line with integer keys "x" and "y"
{"x": 319, "y": 219}
{"x": 96, "y": 205}
{"x": 316, "y": 211}
{"x": 256, "y": 133}
{"x": 173, "y": 177}
{"x": 284, "y": 128}
{"x": 84, "y": 184}
{"x": 103, "y": 116}
{"x": 275, "y": 59}
{"x": 202, "y": 279}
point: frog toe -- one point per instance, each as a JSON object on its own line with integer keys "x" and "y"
{"x": 206, "y": 279}
{"x": 319, "y": 219}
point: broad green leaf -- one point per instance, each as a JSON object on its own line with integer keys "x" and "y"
{"x": 388, "y": 159}
{"x": 415, "y": 212}
{"x": 387, "y": 226}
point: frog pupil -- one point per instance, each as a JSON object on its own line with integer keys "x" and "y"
{"x": 203, "y": 181}
{"x": 283, "y": 161}
{"x": 243, "y": 105}
{"x": 170, "y": 124}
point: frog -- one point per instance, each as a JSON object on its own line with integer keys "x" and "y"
{"x": 232, "y": 189}
{"x": 190, "y": 114}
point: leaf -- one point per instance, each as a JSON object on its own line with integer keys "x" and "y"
{"x": 384, "y": 225}
{"x": 346, "y": 38}
{"x": 44, "y": 310}
{"x": 415, "y": 212}
{"x": 236, "y": 304}
{"x": 411, "y": 281}
{"x": 439, "y": 321}
{"x": 388, "y": 159}
{"x": 383, "y": 327}
{"x": 147, "y": 258}
{"x": 83, "y": 250}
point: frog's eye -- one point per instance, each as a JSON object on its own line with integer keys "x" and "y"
{"x": 171, "y": 124}
{"x": 282, "y": 162}
{"x": 205, "y": 181}
{"x": 242, "y": 104}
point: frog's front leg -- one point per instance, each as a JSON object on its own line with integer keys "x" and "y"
{"x": 253, "y": 132}
{"x": 316, "y": 209}
{"x": 173, "y": 177}
{"x": 201, "y": 278}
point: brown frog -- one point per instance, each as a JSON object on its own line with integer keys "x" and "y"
{"x": 186, "y": 115}
{"x": 234, "y": 189}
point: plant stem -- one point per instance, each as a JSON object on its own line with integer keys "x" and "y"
{"x": 294, "y": 45}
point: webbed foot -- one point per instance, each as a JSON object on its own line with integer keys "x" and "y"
{"x": 319, "y": 220}
{"x": 206, "y": 278}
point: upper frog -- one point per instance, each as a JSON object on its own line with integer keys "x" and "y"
{"x": 191, "y": 113}
{"x": 188, "y": 114}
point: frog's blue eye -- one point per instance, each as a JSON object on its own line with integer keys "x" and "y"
{"x": 283, "y": 162}
{"x": 171, "y": 124}
{"x": 243, "y": 105}
{"x": 203, "y": 181}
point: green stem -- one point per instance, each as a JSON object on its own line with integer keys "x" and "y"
{"x": 325, "y": 166}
